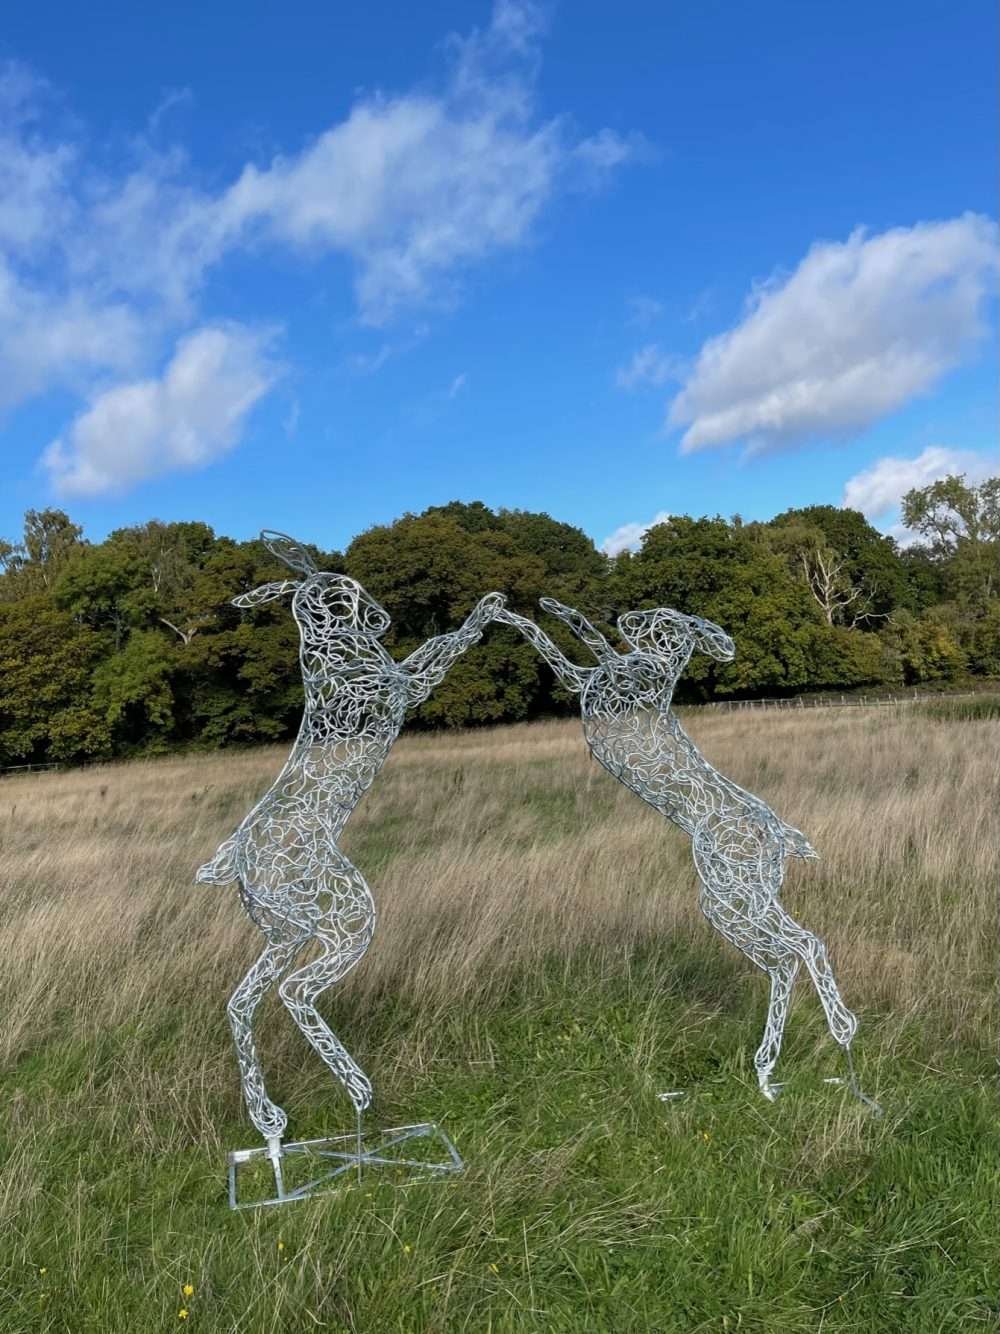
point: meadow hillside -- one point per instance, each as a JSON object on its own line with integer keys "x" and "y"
{"x": 539, "y": 972}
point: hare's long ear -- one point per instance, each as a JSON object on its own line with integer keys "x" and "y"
{"x": 288, "y": 550}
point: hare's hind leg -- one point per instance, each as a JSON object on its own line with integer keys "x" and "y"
{"x": 343, "y": 924}
{"x": 781, "y": 965}
{"x": 736, "y": 894}
{"x": 284, "y": 940}
{"x": 842, "y": 1022}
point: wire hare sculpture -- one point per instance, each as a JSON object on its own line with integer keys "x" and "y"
{"x": 294, "y": 881}
{"x": 740, "y": 846}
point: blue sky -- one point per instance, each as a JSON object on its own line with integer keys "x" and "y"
{"x": 309, "y": 267}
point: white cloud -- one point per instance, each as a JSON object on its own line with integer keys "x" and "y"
{"x": 901, "y": 535}
{"x": 517, "y": 24}
{"x": 416, "y": 187}
{"x": 629, "y": 536}
{"x": 101, "y": 268}
{"x": 61, "y": 338}
{"x": 878, "y": 491}
{"x": 859, "y": 329}
{"x": 408, "y": 188}
{"x": 64, "y": 319}
{"x": 649, "y": 366}
{"x": 457, "y": 385}
{"x": 604, "y": 151}
{"x": 32, "y": 182}
{"x": 184, "y": 420}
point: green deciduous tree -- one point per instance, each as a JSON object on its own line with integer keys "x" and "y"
{"x": 47, "y": 664}
{"x": 132, "y": 644}
{"x": 733, "y": 575}
{"x": 105, "y": 588}
{"x": 853, "y": 572}
{"x": 132, "y": 691}
{"x": 961, "y": 525}
{"x": 923, "y": 648}
{"x": 33, "y": 565}
{"x": 428, "y": 571}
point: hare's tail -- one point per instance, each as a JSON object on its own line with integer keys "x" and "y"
{"x": 221, "y": 870}
{"x": 797, "y": 844}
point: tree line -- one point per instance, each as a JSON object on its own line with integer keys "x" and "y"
{"x": 131, "y": 645}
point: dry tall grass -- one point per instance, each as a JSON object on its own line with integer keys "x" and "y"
{"x": 491, "y": 852}
{"x": 539, "y": 968}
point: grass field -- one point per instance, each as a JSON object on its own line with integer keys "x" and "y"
{"x": 539, "y": 972}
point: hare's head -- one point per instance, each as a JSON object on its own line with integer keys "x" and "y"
{"x": 329, "y": 604}
{"x": 670, "y": 634}
{"x": 333, "y": 604}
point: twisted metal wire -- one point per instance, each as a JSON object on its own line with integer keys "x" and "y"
{"x": 295, "y": 883}
{"x": 739, "y": 843}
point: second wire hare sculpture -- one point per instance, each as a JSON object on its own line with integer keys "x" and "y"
{"x": 740, "y": 846}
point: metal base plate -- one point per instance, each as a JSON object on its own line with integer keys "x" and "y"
{"x": 323, "y": 1161}
{"x": 773, "y": 1090}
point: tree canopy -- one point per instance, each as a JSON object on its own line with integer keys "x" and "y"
{"x": 131, "y": 645}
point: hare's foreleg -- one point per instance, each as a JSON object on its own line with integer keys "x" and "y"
{"x": 842, "y": 1023}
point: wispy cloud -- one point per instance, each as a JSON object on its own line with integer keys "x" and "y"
{"x": 457, "y": 385}
{"x": 369, "y": 363}
{"x": 858, "y": 330}
{"x": 173, "y": 97}
{"x": 629, "y": 536}
{"x": 291, "y": 422}
{"x": 701, "y": 305}
{"x": 415, "y": 187}
{"x": 437, "y": 182}
{"x": 643, "y": 310}
{"x": 650, "y": 366}
{"x": 181, "y": 420}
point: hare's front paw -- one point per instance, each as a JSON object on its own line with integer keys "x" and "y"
{"x": 491, "y": 604}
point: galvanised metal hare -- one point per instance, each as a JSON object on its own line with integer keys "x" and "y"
{"x": 739, "y": 844}
{"x": 295, "y": 883}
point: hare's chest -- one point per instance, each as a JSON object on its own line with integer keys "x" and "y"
{"x": 361, "y": 702}
{"x": 620, "y": 697}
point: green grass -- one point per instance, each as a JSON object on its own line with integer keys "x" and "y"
{"x": 984, "y": 709}
{"x": 586, "y": 1203}
{"x": 587, "y": 1206}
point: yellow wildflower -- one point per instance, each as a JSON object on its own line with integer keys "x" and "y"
{"x": 43, "y": 1270}
{"x": 187, "y": 1290}
{"x": 281, "y": 1245}
{"x": 182, "y": 1314}
{"x": 407, "y": 1248}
